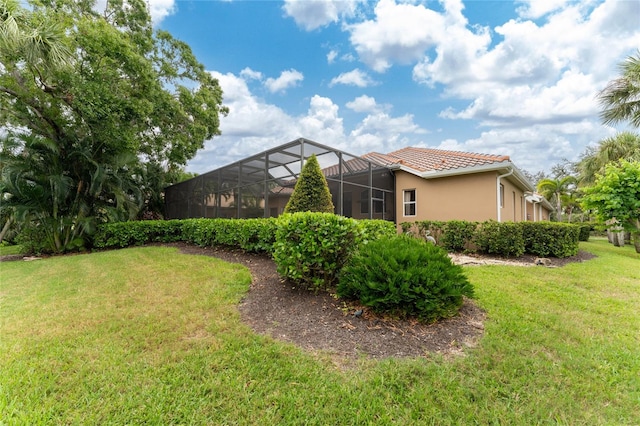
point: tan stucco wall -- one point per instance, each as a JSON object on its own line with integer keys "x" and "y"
{"x": 541, "y": 213}
{"x": 470, "y": 197}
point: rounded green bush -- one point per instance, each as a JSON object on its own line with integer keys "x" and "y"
{"x": 405, "y": 276}
{"x": 310, "y": 248}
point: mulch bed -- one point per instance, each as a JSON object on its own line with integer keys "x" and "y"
{"x": 320, "y": 322}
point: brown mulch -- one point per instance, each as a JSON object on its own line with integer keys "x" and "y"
{"x": 320, "y": 322}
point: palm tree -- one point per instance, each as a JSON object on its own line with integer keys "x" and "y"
{"x": 621, "y": 98}
{"x": 60, "y": 208}
{"x": 555, "y": 189}
{"x": 623, "y": 146}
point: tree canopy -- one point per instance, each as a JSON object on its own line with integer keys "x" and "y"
{"x": 557, "y": 190}
{"x": 311, "y": 193}
{"x": 621, "y": 98}
{"x": 623, "y": 146}
{"x": 615, "y": 196}
{"x": 88, "y": 101}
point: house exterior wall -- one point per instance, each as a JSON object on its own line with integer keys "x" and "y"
{"x": 471, "y": 197}
{"x": 541, "y": 213}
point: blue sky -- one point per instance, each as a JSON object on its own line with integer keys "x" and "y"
{"x": 498, "y": 77}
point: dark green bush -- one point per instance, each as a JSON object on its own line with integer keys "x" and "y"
{"x": 135, "y": 233}
{"x": 457, "y": 235}
{"x": 550, "y": 238}
{"x": 404, "y": 275}
{"x": 501, "y": 238}
{"x": 585, "y": 232}
{"x": 311, "y": 248}
{"x": 253, "y": 235}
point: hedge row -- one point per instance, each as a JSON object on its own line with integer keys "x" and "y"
{"x": 251, "y": 235}
{"x": 503, "y": 238}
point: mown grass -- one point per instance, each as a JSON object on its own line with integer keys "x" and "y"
{"x": 9, "y": 250}
{"x": 147, "y": 335}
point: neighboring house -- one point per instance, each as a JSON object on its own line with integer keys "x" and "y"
{"x": 410, "y": 184}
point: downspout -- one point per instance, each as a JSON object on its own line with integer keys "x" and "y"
{"x": 498, "y": 191}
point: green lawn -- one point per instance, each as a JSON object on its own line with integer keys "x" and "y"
{"x": 147, "y": 335}
{"x": 7, "y": 250}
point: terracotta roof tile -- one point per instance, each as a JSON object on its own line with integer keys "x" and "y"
{"x": 426, "y": 159}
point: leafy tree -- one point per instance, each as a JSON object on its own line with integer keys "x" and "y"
{"x": 534, "y": 178}
{"x": 623, "y": 146}
{"x": 311, "y": 193}
{"x": 621, "y": 98}
{"x": 556, "y": 189}
{"x": 616, "y": 196}
{"x": 93, "y": 103}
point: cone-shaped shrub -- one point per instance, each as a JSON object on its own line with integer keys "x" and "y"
{"x": 311, "y": 193}
{"x": 405, "y": 276}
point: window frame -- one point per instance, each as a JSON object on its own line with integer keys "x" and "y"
{"x": 409, "y": 203}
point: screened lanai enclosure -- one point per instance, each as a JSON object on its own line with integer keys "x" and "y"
{"x": 260, "y": 186}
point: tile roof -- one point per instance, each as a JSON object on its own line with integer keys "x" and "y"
{"x": 427, "y": 159}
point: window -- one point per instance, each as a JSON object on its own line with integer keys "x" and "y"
{"x": 409, "y": 202}
{"x": 501, "y": 195}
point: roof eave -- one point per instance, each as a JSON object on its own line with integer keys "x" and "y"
{"x": 497, "y": 167}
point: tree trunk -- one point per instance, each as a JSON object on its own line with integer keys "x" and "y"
{"x": 636, "y": 241}
{"x": 5, "y": 228}
{"x": 620, "y": 239}
{"x": 611, "y": 236}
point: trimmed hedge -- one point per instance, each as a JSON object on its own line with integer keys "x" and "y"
{"x": 136, "y": 233}
{"x": 252, "y": 235}
{"x": 373, "y": 229}
{"x": 458, "y": 235}
{"x": 505, "y": 238}
{"x": 311, "y": 248}
{"x": 550, "y": 238}
{"x": 501, "y": 238}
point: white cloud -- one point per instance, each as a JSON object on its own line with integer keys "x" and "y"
{"x": 248, "y": 73}
{"x": 331, "y": 56}
{"x": 160, "y": 9}
{"x": 536, "y": 147}
{"x": 403, "y": 32}
{"x": 535, "y": 9}
{"x": 287, "y": 79}
{"x": 253, "y": 126}
{"x": 322, "y": 122}
{"x": 313, "y": 14}
{"x": 355, "y": 77}
{"x": 363, "y": 103}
